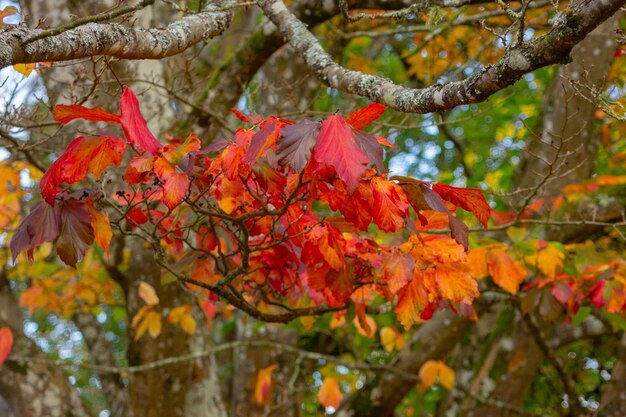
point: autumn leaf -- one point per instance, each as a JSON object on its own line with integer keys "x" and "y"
{"x": 147, "y": 293}
{"x": 6, "y": 343}
{"x": 64, "y": 114}
{"x": 81, "y": 157}
{"x": 372, "y": 149}
{"x": 43, "y": 224}
{"x": 391, "y": 339}
{"x": 550, "y": 260}
{"x": 337, "y": 147}
{"x": 77, "y": 233}
{"x": 421, "y": 197}
{"x": 134, "y": 125}
{"x": 263, "y": 386}
{"x": 398, "y": 271}
{"x": 262, "y": 140}
{"x": 101, "y": 227}
{"x": 296, "y": 143}
{"x": 470, "y": 199}
{"x": 456, "y": 284}
{"x": 411, "y": 299}
{"x": 506, "y": 272}
{"x": 330, "y": 395}
{"x": 175, "y": 189}
{"x": 148, "y": 320}
{"x": 391, "y": 207}
{"x": 361, "y": 118}
{"x": 182, "y": 316}
{"x": 433, "y": 371}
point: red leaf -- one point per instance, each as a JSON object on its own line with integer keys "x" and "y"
{"x": 6, "y": 343}
{"x": 262, "y": 140}
{"x": 241, "y": 116}
{"x": 296, "y": 143}
{"x": 43, "y": 224}
{"x": 391, "y": 207}
{"x": 81, "y": 157}
{"x": 76, "y": 231}
{"x": 363, "y": 117}
{"x": 65, "y": 114}
{"x": 470, "y": 199}
{"x": 337, "y": 147}
{"x": 134, "y": 125}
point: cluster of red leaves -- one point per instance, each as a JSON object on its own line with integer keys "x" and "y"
{"x": 277, "y": 215}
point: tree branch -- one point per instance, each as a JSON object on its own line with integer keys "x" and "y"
{"x": 570, "y": 27}
{"x": 17, "y": 45}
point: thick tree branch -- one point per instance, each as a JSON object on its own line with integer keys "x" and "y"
{"x": 113, "y": 39}
{"x": 570, "y": 27}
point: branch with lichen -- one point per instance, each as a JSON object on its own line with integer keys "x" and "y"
{"x": 21, "y": 45}
{"x": 568, "y": 29}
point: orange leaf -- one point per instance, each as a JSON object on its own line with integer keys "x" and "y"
{"x": 477, "y": 262}
{"x": 175, "y": 189}
{"x": 398, "y": 270}
{"x": 391, "y": 206}
{"x": 455, "y": 284}
{"x": 6, "y": 343}
{"x": 411, "y": 299}
{"x": 506, "y": 272}
{"x": 182, "y": 316}
{"x": 263, "y": 388}
{"x": 101, "y": 227}
{"x": 431, "y": 371}
{"x": 330, "y": 395}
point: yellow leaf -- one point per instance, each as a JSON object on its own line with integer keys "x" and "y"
{"x": 25, "y": 69}
{"x": 330, "y": 395}
{"x": 391, "y": 338}
{"x": 182, "y": 316}
{"x": 148, "y": 294}
{"x": 147, "y": 319}
{"x": 550, "y": 260}
{"x": 263, "y": 388}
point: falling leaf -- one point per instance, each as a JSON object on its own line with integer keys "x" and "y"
{"x": 147, "y": 293}
{"x": 330, "y": 395}
{"x": 263, "y": 387}
{"x": 6, "y": 343}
